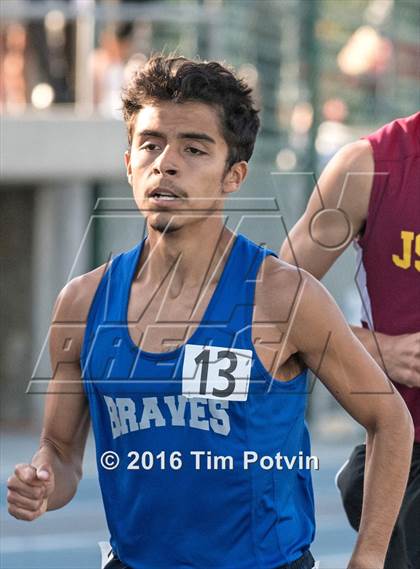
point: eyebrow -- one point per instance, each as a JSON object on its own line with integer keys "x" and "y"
{"x": 188, "y": 135}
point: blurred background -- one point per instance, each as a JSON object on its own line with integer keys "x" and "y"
{"x": 324, "y": 73}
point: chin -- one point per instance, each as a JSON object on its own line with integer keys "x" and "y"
{"x": 164, "y": 225}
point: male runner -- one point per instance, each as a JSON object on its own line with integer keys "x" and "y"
{"x": 370, "y": 191}
{"x": 189, "y": 351}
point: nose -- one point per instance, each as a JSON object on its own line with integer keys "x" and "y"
{"x": 166, "y": 163}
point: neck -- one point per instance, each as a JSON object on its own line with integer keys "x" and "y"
{"x": 191, "y": 255}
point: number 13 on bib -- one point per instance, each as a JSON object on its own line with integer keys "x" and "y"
{"x": 215, "y": 372}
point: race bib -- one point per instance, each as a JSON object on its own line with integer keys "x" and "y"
{"x": 216, "y": 373}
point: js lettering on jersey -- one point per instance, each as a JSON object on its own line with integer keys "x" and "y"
{"x": 410, "y": 248}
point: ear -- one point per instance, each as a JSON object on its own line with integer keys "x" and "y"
{"x": 234, "y": 177}
{"x": 127, "y": 160}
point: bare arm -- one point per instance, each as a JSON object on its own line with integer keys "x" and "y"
{"x": 336, "y": 211}
{"x": 51, "y": 479}
{"x": 360, "y": 386}
{"x": 66, "y": 417}
{"x": 335, "y": 214}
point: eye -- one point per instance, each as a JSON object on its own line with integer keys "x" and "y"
{"x": 149, "y": 147}
{"x": 194, "y": 151}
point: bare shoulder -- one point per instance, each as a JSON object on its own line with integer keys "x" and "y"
{"x": 74, "y": 301}
{"x": 283, "y": 288}
{"x": 277, "y": 289}
{"x": 69, "y": 319}
{"x": 347, "y": 178}
{"x": 344, "y": 187}
{"x": 355, "y": 156}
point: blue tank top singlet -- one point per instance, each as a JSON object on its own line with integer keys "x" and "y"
{"x": 186, "y": 440}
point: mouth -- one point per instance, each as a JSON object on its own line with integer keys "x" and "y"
{"x": 163, "y": 195}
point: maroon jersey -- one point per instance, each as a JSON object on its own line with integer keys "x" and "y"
{"x": 389, "y": 273}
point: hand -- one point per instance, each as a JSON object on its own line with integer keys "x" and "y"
{"x": 402, "y": 358}
{"x": 28, "y": 491}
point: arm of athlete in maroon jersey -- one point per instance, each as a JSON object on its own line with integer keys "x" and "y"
{"x": 346, "y": 183}
{"x": 51, "y": 478}
{"x": 317, "y": 332}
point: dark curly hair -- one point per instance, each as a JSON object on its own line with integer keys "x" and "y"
{"x": 180, "y": 80}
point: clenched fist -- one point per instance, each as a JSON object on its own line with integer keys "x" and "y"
{"x": 402, "y": 358}
{"x": 28, "y": 491}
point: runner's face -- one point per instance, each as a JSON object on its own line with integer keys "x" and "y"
{"x": 177, "y": 164}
